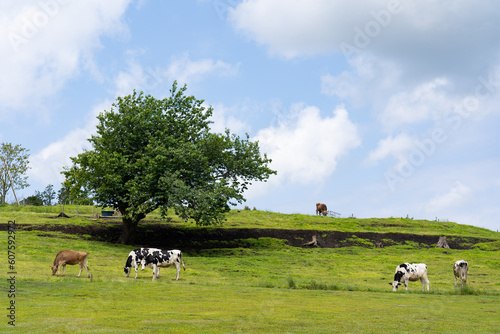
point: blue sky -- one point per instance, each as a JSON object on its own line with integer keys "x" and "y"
{"x": 377, "y": 108}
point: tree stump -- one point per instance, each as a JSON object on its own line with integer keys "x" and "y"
{"x": 313, "y": 242}
{"x": 442, "y": 243}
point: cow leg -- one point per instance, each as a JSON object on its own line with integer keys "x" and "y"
{"x": 158, "y": 272}
{"x": 136, "y": 269}
{"x": 84, "y": 265}
{"x": 155, "y": 267}
{"x": 178, "y": 267}
{"x": 406, "y": 285}
{"x": 455, "y": 281}
{"x": 64, "y": 269}
{"x": 81, "y": 268}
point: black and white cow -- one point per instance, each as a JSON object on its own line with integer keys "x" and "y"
{"x": 135, "y": 257}
{"x": 461, "y": 269}
{"x": 410, "y": 272}
{"x": 159, "y": 258}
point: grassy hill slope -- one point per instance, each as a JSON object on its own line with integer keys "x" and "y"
{"x": 255, "y": 285}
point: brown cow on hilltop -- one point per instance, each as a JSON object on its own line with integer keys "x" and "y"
{"x": 70, "y": 257}
{"x": 321, "y": 209}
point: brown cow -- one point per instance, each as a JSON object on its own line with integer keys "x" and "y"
{"x": 70, "y": 257}
{"x": 321, "y": 209}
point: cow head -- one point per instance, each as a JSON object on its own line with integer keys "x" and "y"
{"x": 397, "y": 277}
{"x": 126, "y": 270}
{"x": 54, "y": 269}
{"x": 395, "y": 285}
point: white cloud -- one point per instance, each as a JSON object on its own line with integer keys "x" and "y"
{"x": 47, "y": 42}
{"x": 307, "y": 148}
{"x": 427, "y": 35}
{"x": 395, "y": 146}
{"x": 342, "y": 85}
{"x": 185, "y": 70}
{"x": 455, "y": 197}
{"x": 136, "y": 77}
{"x": 369, "y": 81}
{"x": 223, "y": 119}
{"x": 46, "y": 166}
{"x": 182, "y": 69}
{"x": 425, "y": 102}
{"x": 300, "y": 27}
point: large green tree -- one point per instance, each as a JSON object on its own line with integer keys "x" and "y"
{"x": 14, "y": 164}
{"x": 151, "y": 153}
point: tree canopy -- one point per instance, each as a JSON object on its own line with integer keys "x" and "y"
{"x": 14, "y": 164}
{"x": 151, "y": 153}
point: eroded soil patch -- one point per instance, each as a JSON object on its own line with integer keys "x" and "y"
{"x": 169, "y": 236}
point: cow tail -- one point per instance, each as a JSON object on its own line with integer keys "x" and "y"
{"x": 182, "y": 261}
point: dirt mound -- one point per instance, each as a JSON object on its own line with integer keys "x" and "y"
{"x": 170, "y": 236}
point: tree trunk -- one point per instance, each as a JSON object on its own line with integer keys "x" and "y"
{"x": 314, "y": 242}
{"x": 130, "y": 229}
{"x": 442, "y": 243}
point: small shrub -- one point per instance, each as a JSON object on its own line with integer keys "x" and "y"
{"x": 488, "y": 246}
{"x": 291, "y": 283}
{"x": 412, "y": 244}
{"x": 388, "y": 242}
{"x": 356, "y": 241}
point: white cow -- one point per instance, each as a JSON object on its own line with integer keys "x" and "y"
{"x": 410, "y": 272}
{"x": 461, "y": 269}
{"x": 159, "y": 258}
{"x": 135, "y": 257}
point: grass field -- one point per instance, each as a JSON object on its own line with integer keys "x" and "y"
{"x": 268, "y": 287}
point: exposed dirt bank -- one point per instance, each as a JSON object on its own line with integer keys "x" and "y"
{"x": 169, "y": 236}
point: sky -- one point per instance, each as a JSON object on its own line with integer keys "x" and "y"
{"x": 377, "y": 108}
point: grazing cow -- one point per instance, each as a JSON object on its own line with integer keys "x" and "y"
{"x": 70, "y": 257}
{"x": 135, "y": 257}
{"x": 321, "y": 209}
{"x": 461, "y": 269}
{"x": 410, "y": 272}
{"x": 160, "y": 258}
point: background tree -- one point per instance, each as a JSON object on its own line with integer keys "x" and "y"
{"x": 151, "y": 154}
{"x": 63, "y": 195}
{"x": 48, "y": 195}
{"x": 36, "y": 199}
{"x": 69, "y": 194}
{"x": 14, "y": 163}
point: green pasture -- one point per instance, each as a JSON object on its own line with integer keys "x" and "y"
{"x": 276, "y": 289}
{"x": 265, "y": 287}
